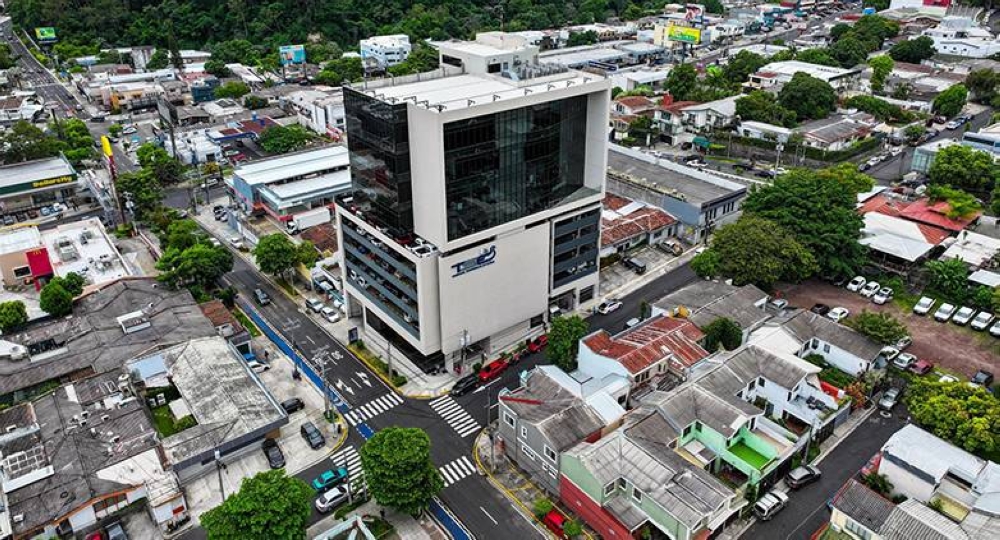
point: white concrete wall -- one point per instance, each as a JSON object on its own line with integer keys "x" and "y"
{"x": 839, "y": 358}
{"x": 598, "y": 366}
{"x": 905, "y": 482}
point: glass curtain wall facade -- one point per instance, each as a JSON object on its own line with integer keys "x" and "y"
{"x": 509, "y": 165}
{"x": 380, "y": 160}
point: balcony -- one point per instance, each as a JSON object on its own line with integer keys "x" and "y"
{"x": 370, "y": 282}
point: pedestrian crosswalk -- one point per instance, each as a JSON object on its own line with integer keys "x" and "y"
{"x": 349, "y": 457}
{"x": 456, "y": 470}
{"x": 455, "y": 416}
{"x": 373, "y": 408}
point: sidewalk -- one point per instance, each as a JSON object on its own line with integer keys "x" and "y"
{"x": 663, "y": 267}
{"x": 406, "y": 526}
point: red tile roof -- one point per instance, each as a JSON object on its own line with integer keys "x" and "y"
{"x": 897, "y": 208}
{"x": 216, "y": 312}
{"x": 642, "y": 221}
{"x": 923, "y": 211}
{"x": 323, "y": 236}
{"x": 643, "y": 346}
{"x": 636, "y": 102}
{"x": 675, "y": 107}
{"x": 249, "y": 126}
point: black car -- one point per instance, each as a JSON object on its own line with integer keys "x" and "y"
{"x": 275, "y": 457}
{"x": 465, "y": 385}
{"x": 801, "y": 476}
{"x": 262, "y": 297}
{"x": 820, "y": 309}
{"x": 292, "y": 405}
{"x": 312, "y": 435}
{"x": 983, "y": 378}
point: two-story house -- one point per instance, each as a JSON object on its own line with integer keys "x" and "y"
{"x": 808, "y": 333}
{"x": 705, "y": 117}
{"x": 549, "y": 413}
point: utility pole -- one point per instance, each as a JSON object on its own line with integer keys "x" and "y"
{"x": 219, "y": 466}
{"x": 388, "y": 356}
{"x": 326, "y": 389}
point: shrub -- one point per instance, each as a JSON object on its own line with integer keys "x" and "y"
{"x": 542, "y": 506}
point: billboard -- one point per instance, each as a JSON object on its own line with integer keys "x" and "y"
{"x": 292, "y": 54}
{"x": 45, "y": 34}
{"x": 683, "y": 34}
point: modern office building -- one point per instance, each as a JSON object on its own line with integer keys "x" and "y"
{"x": 381, "y": 52}
{"x": 476, "y": 200}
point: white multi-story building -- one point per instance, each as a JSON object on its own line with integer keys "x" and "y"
{"x": 476, "y": 200}
{"x": 385, "y": 51}
{"x": 960, "y": 36}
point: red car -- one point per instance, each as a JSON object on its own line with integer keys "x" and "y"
{"x": 555, "y": 522}
{"x": 492, "y": 371}
{"x": 921, "y": 367}
{"x": 538, "y": 343}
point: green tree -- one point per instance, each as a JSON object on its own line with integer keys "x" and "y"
{"x": 269, "y": 506}
{"x": 951, "y": 101}
{"x": 819, "y": 212}
{"x": 707, "y": 264}
{"x": 960, "y": 203}
{"x": 422, "y": 58}
{"x": 758, "y": 251}
{"x": 72, "y": 282}
{"x": 880, "y": 327}
{"x": 13, "y": 315}
{"x": 722, "y": 331}
{"x": 284, "y": 139}
{"x": 142, "y": 188}
{"x": 581, "y": 38}
{"x": 542, "y": 506}
{"x": 217, "y": 68}
{"x": 306, "y": 253}
{"x": 681, "y": 82}
{"x": 641, "y": 129}
{"x": 236, "y": 51}
{"x": 949, "y": 278}
{"x": 164, "y": 167}
{"x": 158, "y": 60}
{"x": 198, "y": 265}
{"x": 761, "y": 106}
{"x": 347, "y": 68}
{"x": 995, "y": 200}
{"x": 820, "y": 57}
{"x": 55, "y": 300}
{"x": 564, "y": 336}
{"x": 849, "y": 51}
{"x": 982, "y": 83}
{"x": 914, "y": 132}
{"x": 323, "y": 51}
{"x": 914, "y": 50}
{"x": 881, "y": 68}
{"x": 964, "y": 168}
{"x": 7, "y": 59}
{"x": 809, "y": 97}
{"x": 115, "y": 130}
{"x": 399, "y": 471}
{"x": 232, "y": 90}
{"x": 276, "y": 254}
{"x": 879, "y": 108}
{"x": 742, "y": 65}
{"x": 848, "y": 175}
{"x": 879, "y": 483}
{"x": 838, "y": 31}
{"x": 25, "y": 142}
{"x": 902, "y": 90}
{"x": 965, "y": 415}
{"x": 253, "y": 102}
{"x": 180, "y": 234}
{"x": 983, "y": 298}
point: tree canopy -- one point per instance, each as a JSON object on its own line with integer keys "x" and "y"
{"x": 965, "y": 168}
{"x": 284, "y": 139}
{"x": 951, "y": 101}
{"x": 399, "y": 471}
{"x": 982, "y": 84}
{"x": 142, "y": 188}
{"x": 25, "y": 142}
{"x": 269, "y": 506}
{"x": 761, "y": 106}
{"x": 742, "y": 65}
{"x": 13, "y": 315}
{"x": 881, "y": 68}
{"x": 809, "y": 97}
{"x": 914, "y": 50}
{"x": 55, "y": 300}
{"x": 967, "y": 416}
{"x": 564, "y": 336}
{"x": 880, "y": 327}
{"x": 879, "y": 108}
{"x": 682, "y": 81}
{"x": 232, "y": 90}
{"x": 755, "y": 250}
{"x": 722, "y": 331}
{"x": 276, "y": 254}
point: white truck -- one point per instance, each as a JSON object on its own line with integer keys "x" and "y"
{"x": 311, "y": 218}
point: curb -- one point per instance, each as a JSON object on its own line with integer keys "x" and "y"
{"x": 861, "y": 419}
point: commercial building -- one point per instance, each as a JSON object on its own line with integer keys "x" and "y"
{"x": 382, "y": 52}
{"x": 16, "y": 108}
{"x": 626, "y": 224}
{"x": 293, "y": 183}
{"x": 961, "y": 36}
{"x": 476, "y": 199}
{"x": 779, "y": 73}
{"x": 31, "y": 184}
{"x": 319, "y": 110}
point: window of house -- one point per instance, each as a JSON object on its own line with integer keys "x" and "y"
{"x": 22, "y": 272}
{"x": 549, "y": 453}
{"x": 857, "y": 529}
{"x": 109, "y": 505}
{"x": 826, "y": 347}
{"x": 621, "y": 484}
{"x": 760, "y": 382}
{"x": 687, "y": 430}
{"x": 586, "y": 294}
{"x": 524, "y": 432}
{"x": 609, "y": 489}
{"x": 815, "y": 344}
{"x": 753, "y": 384}
{"x": 789, "y": 396}
{"x": 537, "y": 321}
{"x": 636, "y": 495}
{"x": 508, "y": 419}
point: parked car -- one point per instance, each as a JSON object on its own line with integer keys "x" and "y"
{"x": 292, "y": 405}
{"x": 779, "y": 303}
{"x": 882, "y": 296}
{"x": 802, "y": 476}
{"x": 330, "y": 314}
{"x": 963, "y": 316}
{"x": 838, "y": 314}
{"x": 635, "y": 265}
{"x": 115, "y": 531}
{"x": 954, "y": 124}
{"x": 128, "y": 130}
{"x": 257, "y": 367}
{"x": 921, "y": 367}
{"x": 634, "y": 321}
{"x": 904, "y": 342}
{"x": 769, "y": 505}
{"x": 944, "y": 312}
{"x": 262, "y": 297}
{"x": 889, "y": 399}
{"x": 923, "y": 307}
{"x": 465, "y": 385}
{"x": 609, "y": 306}
{"x": 314, "y": 305}
{"x": 237, "y": 243}
{"x": 538, "y": 343}
{"x": 555, "y": 523}
{"x": 982, "y": 321}
{"x": 904, "y": 360}
{"x": 492, "y": 370}
{"x": 947, "y": 379}
{"x": 889, "y": 353}
{"x": 275, "y": 457}
{"x": 870, "y": 289}
{"x": 820, "y": 309}
{"x": 313, "y": 436}
{"x": 982, "y": 378}
{"x": 331, "y": 499}
{"x": 995, "y": 329}
{"x": 856, "y": 284}
{"x": 330, "y": 479}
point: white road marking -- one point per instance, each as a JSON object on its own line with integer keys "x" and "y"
{"x": 488, "y": 515}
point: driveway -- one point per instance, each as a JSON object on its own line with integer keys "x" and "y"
{"x": 957, "y": 349}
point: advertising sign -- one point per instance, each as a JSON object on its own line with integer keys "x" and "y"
{"x": 683, "y": 34}
{"x": 292, "y": 54}
{"x": 45, "y": 34}
{"x": 106, "y": 146}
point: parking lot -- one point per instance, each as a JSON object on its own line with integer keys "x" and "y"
{"x": 957, "y": 349}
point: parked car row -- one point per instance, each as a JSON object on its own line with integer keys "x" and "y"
{"x": 325, "y": 311}
{"x": 871, "y": 289}
{"x": 495, "y": 368}
{"x": 775, "y": 500}
{"x": 960, "y": 315}
{"x": 45, "y": 211}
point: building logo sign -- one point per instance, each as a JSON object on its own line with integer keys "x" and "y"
{"x": 485, "y": 258}
{"x": 52, "y": 182}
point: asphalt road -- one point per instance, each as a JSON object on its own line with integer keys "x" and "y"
{"x": 807, "y": 511}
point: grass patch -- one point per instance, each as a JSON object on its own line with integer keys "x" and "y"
{"x": 246, "y": 322}
{"x": 165, "y": 423}
{"x": 379, "y": 527}
{"x": 375, "y": 362}
{"x": 287, "y": 287}
{"x": 830, "y": 374}
{"x": 749, "y": 455}
{"x": 830, "y": 534}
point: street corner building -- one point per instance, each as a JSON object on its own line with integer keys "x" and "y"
{"x": 476, "y": 198}
{"x": 31, "y": 185}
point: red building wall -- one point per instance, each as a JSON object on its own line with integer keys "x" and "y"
{"x": 590, "y": 512}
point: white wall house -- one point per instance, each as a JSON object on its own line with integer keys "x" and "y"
{"x": 385, "y": 51}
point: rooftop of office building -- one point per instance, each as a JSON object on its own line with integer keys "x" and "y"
{"x": 299, "y": 164}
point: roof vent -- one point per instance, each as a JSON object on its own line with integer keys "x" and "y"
{"x": 11, "y": 428}
{"x": 134, "y": 322}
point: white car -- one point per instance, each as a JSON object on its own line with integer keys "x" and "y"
{"x": 870, "y": 289}
{"x": 904, "y": 342}
{"x": 838, "y": 314}
{"x": 236, "y": 242}
{"x": 608, "y": 306}
{"x": 330, "y": 314}
{"x": 889, "y": 353}
{"x": 856, "y": 284}
{"x": 882, "y": 296}
{"x": 923, "y": 307}
{"x": 963, "y": 316}
{"x": 995, "y": 330}
{"x": 904, "y": 360}
{"x": 632, "y": 322}
{"x": 331, "y": 499}
{"x": 129, "y": 130}
{"x": 948, "y": 379}
{"x": 314, "y": 305}
{"x": 258, "y": 367}
{"x": 982, "y": 321}
{"x": 944, "y": 312}
{"x": 215, "y": 242}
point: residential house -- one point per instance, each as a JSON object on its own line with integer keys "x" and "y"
{"x": 838, "y": 132}
{"x": 764, "y": 131}
{"x": 668, "y": 119}
{"x": 634, "y": 78}
{"x": 807, "y": 333}
{"x": 705, "y": 117}
{"x": 936, "y": 214}
{"x": 775, "y": 74}
{"x": 626, "y": 224}
{"x": 626, "y": 109}
{"x": 702, "y": 302}
{"x": 227, "y": 326}
{"x": 976, "y": 250}
{"x": 547, "y": 415}
{"x": 898, "y": 245}
{"x": 644, "y": 353}
{"x": 962, "y": 36}
{"x": 385, "y": 51}
{"x": 16, "y": 108}
{"x": 699, "y": 200}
